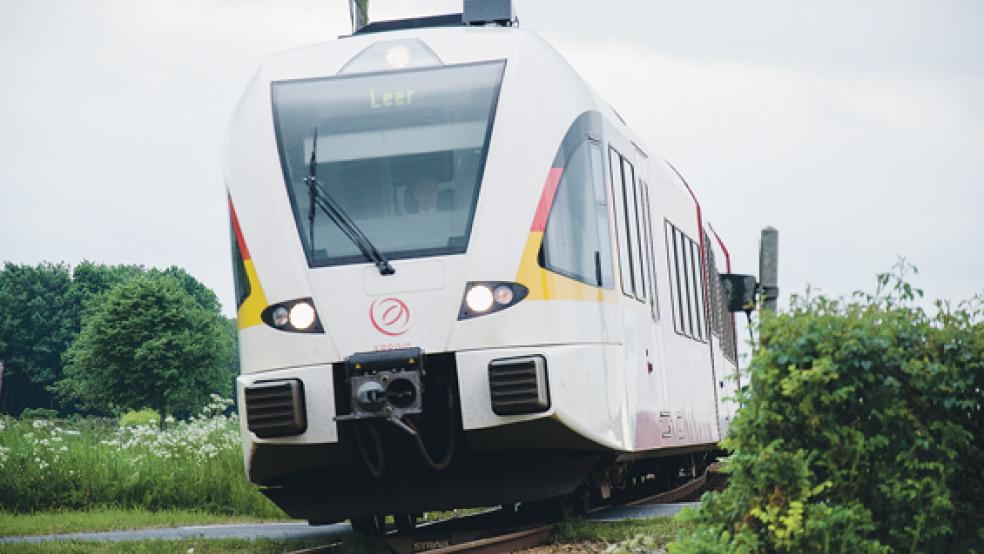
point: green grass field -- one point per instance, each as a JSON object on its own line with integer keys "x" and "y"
{"x": 109, "y": 519}
{"x": 89, "y": 464}
{"x": 195, "y": 546}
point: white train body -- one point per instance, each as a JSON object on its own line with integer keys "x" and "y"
{"x": 628, "y": 373}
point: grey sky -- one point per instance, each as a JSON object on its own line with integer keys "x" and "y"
{"x": 855, "y": 128}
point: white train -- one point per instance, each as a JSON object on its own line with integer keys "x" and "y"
{"x": 462, "y": 279}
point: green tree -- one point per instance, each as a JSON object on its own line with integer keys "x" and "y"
{"x": 147, "y": 343}
{"x": 37, "y": 323}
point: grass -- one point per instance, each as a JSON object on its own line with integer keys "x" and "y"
{"x": 633, "y": 535}
{"x": 109, "y": 519}
{"x": 196, "y": 546}
{"x": 50, "y": 465}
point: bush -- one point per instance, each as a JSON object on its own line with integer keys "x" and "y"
{"x": 39, "y": 413}
{"x": 135, "y": 418}
{"x": 861, "y": 431}
{"x": 194, "y": 465}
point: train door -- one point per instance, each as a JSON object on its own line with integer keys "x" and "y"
{"x": 635, "y": 282}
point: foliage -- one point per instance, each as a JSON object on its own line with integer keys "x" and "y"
{"x": 39, "y": 413}
{"x": 135, "y": 418}
{"x": 37, "y": 323}
{"x": 42, "y": 310}
{"x": 860, "y": 431}
{"x": 147, "y": 343}
{"x": 194, "y": 465}
{"x": 620, "y": 537}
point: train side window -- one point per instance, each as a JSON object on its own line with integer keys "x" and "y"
{"x": 601, "y": 215}
{"x": 650, "y": 253}
{"x": 571, "y": 247}
{"x": 686, "y": 285}
{"x": 698, "y": 288}
{"x": 240, "y": 279}
{"x": 642, "y": 285}
{"x": 687, "y": 289}
{"x": 632, "y": 222}
{"x": 625, "y": 261}
{"x": 673, "y": 262}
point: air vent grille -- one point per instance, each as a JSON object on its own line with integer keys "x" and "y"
{"x": 275, "y": 408}
{"x": 519, "y": 385}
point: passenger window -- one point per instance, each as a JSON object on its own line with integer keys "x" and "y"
{"x": 698, "y": 287}
{"x": 642, "y": 291}
{"x": 571, "y": 245}
{"x": 686, "y": 285}
{"x": 687, "y": 289}
{"x": 601, "y": 215}
{"x": 625, "y": 261}
{"x": 650, "y": 253}
{"x": 239, "y": 276}
{"x": 629, "y": 201}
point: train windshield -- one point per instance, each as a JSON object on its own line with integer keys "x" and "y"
{"x": 402, "y": 153}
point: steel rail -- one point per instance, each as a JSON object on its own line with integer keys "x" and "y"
{"x": 509, "y": 542}
{"x": 673, "y": 495}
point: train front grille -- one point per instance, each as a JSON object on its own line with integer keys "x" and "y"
{"x": 275, "y": 408}
{"x": 519, "y": 385}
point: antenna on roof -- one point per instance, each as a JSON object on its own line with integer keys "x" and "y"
{"x": 359, "y": 11}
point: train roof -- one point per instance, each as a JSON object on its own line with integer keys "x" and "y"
{"x": 453, "y": 43}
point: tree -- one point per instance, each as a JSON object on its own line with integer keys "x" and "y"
{"x": 147, "y": 343}
{"x": 37, "y": 323}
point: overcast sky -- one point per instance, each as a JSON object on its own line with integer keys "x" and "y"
{"x": 855, "y": 128}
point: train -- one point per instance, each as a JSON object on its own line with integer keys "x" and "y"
{"x": 462, "y": 280}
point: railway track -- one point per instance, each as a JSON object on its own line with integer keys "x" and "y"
{"x": 500, "y": 531}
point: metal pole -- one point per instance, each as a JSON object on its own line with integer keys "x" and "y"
{"x": 769, "y": 268}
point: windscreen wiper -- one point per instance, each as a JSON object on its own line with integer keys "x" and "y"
{"x": 319, "y": 197}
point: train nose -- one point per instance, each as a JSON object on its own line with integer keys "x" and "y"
{"x": 416, "y": 307}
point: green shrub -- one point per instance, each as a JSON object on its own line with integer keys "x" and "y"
{"x": 38, "y": 413}
{"x": 134, "y": 418}
{"x": 861, "y": 431}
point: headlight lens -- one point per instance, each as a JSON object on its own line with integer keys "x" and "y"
{"x": 504, "y": 295}
{"x": 479, "y": 298}
{"x": 280, "y": 316}
{"x": 302, "y": 315}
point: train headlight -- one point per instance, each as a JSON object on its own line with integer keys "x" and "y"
{"x": 294, "y": 316}
{"x": 280, "y": 316}
{"x": 503, "y": 295}
{"x": 302, "y": 315}
{"x": 486, "y": 297}
{"x": 479, "y": 298}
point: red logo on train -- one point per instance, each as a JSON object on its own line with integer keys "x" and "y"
{"x": 390, "y": 316}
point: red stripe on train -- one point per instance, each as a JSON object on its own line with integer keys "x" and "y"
{"x": 239, "y": 232}
{"x": 546, "y": 199}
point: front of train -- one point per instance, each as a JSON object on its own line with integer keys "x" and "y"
{"x": 392, "y": 354}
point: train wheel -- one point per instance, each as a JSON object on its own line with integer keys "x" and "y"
{"x": 405, "y": 523}
{"x": 372, "y": 526}
{"x": 581, "y": 501}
